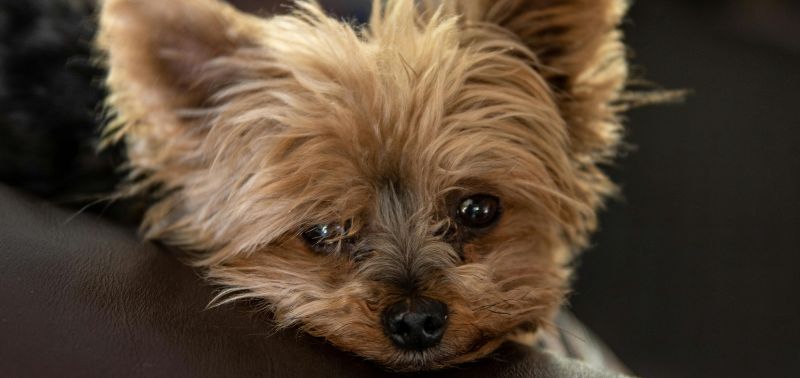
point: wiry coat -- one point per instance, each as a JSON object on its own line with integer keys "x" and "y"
{"x": 251, "y": 129}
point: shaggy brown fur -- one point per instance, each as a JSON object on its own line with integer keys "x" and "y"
{"x": 251, "y": 130}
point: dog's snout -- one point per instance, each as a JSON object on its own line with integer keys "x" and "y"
{"x": 415, "y": 324}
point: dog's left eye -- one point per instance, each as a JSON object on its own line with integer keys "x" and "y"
{"x": 478, "y": 211}
{"x": 325, "y": 237}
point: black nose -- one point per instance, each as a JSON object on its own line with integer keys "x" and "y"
{"x": 415, "y": 324}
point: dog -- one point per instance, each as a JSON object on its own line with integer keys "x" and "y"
{"x": 414, "y": 190}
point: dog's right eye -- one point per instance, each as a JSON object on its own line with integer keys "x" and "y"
{"x": 326, "y": 237}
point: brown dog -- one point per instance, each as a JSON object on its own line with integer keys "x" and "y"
{"x": 412, "y": 190}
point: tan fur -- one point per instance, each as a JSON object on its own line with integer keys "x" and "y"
{"x": 249, "y": 130}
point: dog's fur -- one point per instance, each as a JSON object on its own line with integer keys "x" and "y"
{"x": 250, "y": 130}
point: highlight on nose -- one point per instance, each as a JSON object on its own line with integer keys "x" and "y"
{"x": 416, "y": 323}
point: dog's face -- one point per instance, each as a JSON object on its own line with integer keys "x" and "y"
{"x": 412, "y": 191}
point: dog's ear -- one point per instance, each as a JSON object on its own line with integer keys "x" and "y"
{"x": 160, "y": 56}
{"x": 579, "y": 52}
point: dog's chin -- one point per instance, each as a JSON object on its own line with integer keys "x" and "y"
{"x": 443, "y": 356}
{"x": 435, "y": 358}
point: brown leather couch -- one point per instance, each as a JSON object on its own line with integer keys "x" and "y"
{"x": 82, "y": 297}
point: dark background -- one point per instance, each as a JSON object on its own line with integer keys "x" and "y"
{"x": 694, "y": 271}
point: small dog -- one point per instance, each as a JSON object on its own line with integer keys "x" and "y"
{"x": 413, "y": 190}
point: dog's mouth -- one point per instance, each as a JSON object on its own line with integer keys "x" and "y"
{"x": 480, "y": 344}
{"x": 439, "y": 358}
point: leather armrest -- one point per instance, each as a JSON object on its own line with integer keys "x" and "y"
{"x": 82, "y": 297}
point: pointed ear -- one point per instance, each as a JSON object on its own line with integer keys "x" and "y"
{"x": 159, "y": 55}
{"x": 579, "y": 51}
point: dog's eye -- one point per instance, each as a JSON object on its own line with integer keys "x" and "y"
{"x": 478, "y": 211}
{"x": 325, "y": 237}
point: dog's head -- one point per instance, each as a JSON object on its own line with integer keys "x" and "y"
{"x": 412, "y": 190}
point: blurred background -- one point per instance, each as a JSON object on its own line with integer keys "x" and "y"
{"x": 694, "y": 272}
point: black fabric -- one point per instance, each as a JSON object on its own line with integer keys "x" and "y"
{"x": 49, "y": 97}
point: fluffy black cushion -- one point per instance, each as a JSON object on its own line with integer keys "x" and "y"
{"x": 49, "y": 97}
